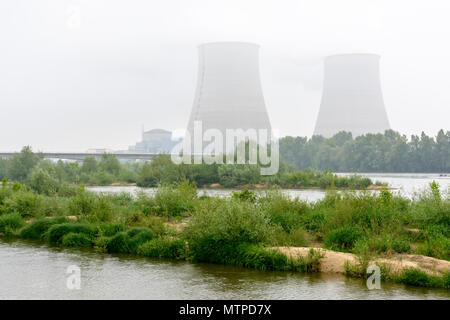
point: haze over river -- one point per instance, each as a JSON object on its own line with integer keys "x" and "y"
{"x": 30, "y": 270}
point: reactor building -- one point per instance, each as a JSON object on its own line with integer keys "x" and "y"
{"x": 229, "y": 93}
{"x": 352, "y": 100}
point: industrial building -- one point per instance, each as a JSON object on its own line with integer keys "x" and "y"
{"x": 352, "y": 98}
{"x": 155, "y": 141}
{"x": 229, "y": 93}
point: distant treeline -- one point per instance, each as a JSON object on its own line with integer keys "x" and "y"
{"x": 49, "y": 177}
{"x": 388, "y": 152}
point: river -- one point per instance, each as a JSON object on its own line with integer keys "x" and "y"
{"x": 30, "y": 270}
{"x": 407, "y": 184}
{"x": 36, "y": 271}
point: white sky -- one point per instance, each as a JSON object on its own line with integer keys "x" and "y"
{"x": 82, "y": 74}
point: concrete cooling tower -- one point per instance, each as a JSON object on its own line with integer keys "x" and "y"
{"x": 229, "y": 93}
{"x": 352, "y": 99}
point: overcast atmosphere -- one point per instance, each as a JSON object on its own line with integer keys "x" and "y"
{"x": 88, "y": 74}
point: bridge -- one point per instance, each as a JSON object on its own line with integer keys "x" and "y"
{"x": 81, "y": 156}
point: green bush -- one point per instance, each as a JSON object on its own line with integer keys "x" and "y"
{"x": 38, "y": 228}
{"x": 219, "y": 226}
{"x": 109, "y": 229}
{"x": 343, "y": 238}
{"x": 57, "y": 232}
{"x": 173, "y": 200}
{"x": 10, "y": 222}
{"x": 138, "y": 236}
{"x": 118, "y": 243}
{"x": 258, "y": 257}
{"x": 76, "y": 240}
{"x": 416, "y": 277}
{"x": 128, "y": 242}
{"x": 437, "y": 246}
{"x": 401, "y": 245}
{"x": 27, "y": 204}
{"x": 163, "y": 248}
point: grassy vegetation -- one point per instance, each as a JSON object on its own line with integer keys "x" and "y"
{"x": 49, "y": 178}
{"x": 242, "y": 230}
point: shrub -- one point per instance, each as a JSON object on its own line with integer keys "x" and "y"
{"x": 57, "y": 232}
{"x": 244, "y": 195}
{"x": 401, "y": 245}
{"x": 173, "y": 200}
{"x": 220, "y": 226}
{"x": 27, "y": 204}
{"x": 118, "y": 243}
{"x": 163, "y": 248}
{"x": 10, "y": 222}
{"x": 38, "y": 228}
{"x": 42, "y": 182}
{"x": 437, "y": 246}
{"x": 138, "y": 236}
{"x": 232, "y": 175}
{"x": 109, "y": 229}
{"x": 419, "y": 278}
{"x": 76, "y": 240}
{"x": 258, "y": 257}
{"x": 128, "y": 242}
{"x": 343, "y": 238}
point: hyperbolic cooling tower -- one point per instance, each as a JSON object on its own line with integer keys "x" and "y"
{"x": 229, "y": 93}
{"x": 352, "y": 99}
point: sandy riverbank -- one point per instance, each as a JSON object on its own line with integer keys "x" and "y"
{"x": 334, "y": 262}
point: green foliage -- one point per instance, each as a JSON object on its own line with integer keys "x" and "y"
{"x": 128, "y": 242}
{"x": 218, "y": 228}
{"x": 175, "y": 199}
{"x": 41, "y": 182}
{"x": 109, "y": 229}
{"x": 118, "y": 243}
{"x": 244, "y": 195}
{"x": 19, "y": 166}
{"x": 388, "y": 152}
{"x": 343, "y": 238}
{"x": 27, "y": 204}
{"x": 163, "y": 248}
{"x": 416, "y": 277}
{"x": 258, "y": 257}
{"x": 9, "y": 223}
{"x": 57, "y": 232}
{"x": 232, "y": 175}
{"x": 91, "y": 206}
{"x": 76, "y": 240}
{"x": 138, "y": 236}
{"x": 160, "y": 171}
{"x": 38, "y": 228}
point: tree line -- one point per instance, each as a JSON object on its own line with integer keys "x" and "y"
{"x": 388, "y": 152}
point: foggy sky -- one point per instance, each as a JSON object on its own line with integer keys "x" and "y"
{"x": 88, "y": 74}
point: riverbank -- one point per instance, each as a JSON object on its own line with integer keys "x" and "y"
{"x": 340, "y": 262}
{"x": 242, "y": 229}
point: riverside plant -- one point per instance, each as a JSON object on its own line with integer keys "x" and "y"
{"x": 244, "y": 229}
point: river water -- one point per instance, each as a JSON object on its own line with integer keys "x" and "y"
{"x": 407, "y": 184}
{"x": 36, "y": 271}
{"x": 30, "y": 270}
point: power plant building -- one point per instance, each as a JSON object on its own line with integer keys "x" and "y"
{"x": 155, "y": 141}
{"x": 352, "y": 99}
{"x": 229, "y": 93}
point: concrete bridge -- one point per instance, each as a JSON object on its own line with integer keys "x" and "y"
{"x": 80, "y": 156}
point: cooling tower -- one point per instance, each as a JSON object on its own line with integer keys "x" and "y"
{"x": 229, "y": 93}
{"x": 352, "y": 99}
